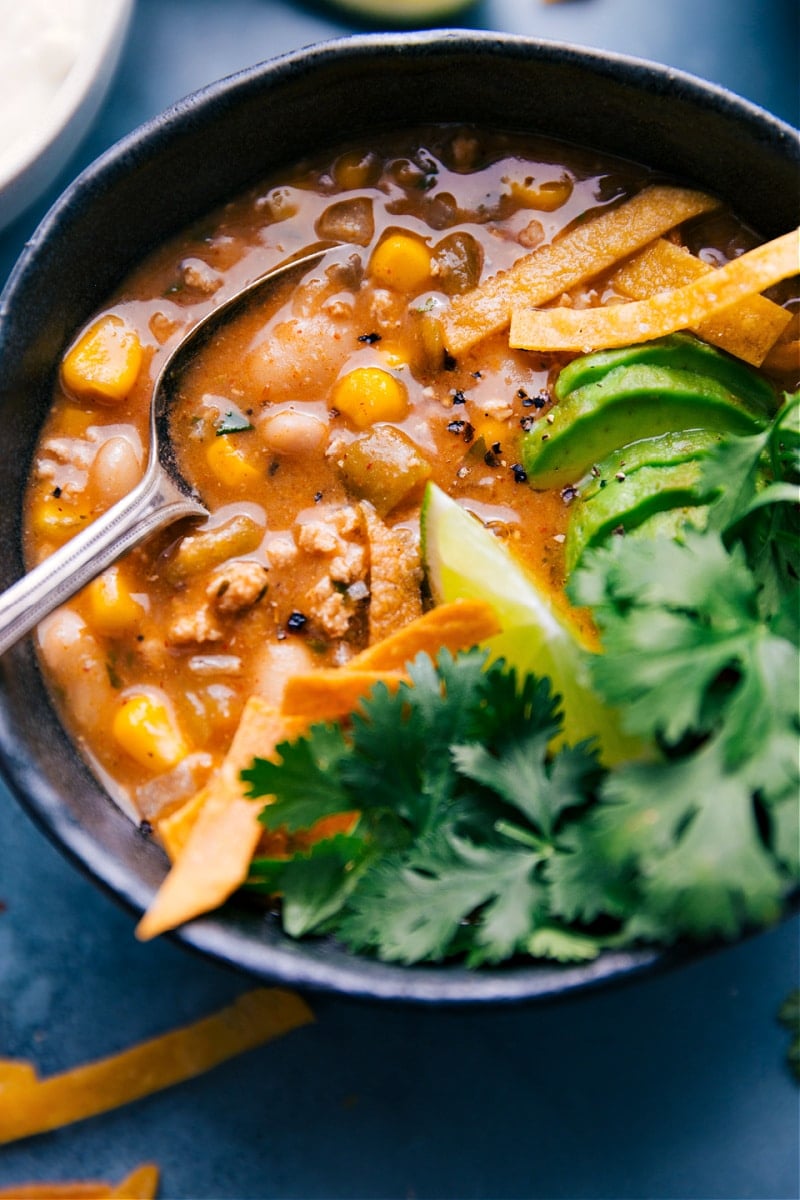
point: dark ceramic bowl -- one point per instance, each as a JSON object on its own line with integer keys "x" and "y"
{"x": 185, "y": 162}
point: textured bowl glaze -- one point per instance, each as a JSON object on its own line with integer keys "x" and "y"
{"x": 194, "y": 156}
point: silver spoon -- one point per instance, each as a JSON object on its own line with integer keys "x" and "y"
{"x": 162, "y": 496}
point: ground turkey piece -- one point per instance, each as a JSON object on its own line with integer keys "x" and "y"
{"x": 336, "y": 536}
{"x": 395, "y": 575}
{"x": 237, "y": 587}
{"x": 192, "y": 626}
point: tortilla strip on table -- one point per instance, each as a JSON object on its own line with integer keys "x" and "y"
{"x": 141, "y": 1184}
{"x": 613, "y": 325}
{"x": 747, "y": 329}
{"x": 254, "y": 1018}
{"x": 583, "y": 252}
{"x": 215, "y": 858}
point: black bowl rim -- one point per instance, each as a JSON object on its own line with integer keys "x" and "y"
{"x": 329, "y": 968}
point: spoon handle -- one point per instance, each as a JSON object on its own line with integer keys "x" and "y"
{"x": 154, "y": 503}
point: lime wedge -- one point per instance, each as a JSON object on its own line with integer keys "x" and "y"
{"x": 464, "y": 560}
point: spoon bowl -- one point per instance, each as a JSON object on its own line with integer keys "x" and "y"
{"x": 162, "y": 496}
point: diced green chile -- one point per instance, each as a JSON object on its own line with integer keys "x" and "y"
{"x": 459, "y": 259}
{"x": 383, "y": 466}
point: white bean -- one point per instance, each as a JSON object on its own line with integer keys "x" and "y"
{"x": 293, "y": 433}
{"x": 116, "y": 469}
{"x": 76, "y": 662}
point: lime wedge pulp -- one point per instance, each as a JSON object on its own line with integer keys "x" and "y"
{"x": 464, "y": 560}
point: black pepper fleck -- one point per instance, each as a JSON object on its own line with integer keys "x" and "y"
{"x": 369, "y": 338}
{"x": 519, "y": 473}
{"x": 526, "y": 424}
{"x": 456, "y": 426}
{"x": 296, "y": 622}
{"x": 459, "y": 397}
{"x": 448, "y": 362}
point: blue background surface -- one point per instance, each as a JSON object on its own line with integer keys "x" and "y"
{"x": 672, "y": 1086}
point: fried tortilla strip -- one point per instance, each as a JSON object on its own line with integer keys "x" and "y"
{"x": 215, "y": 859}
{"x": 174, "y": 829}
{"x": 747, "y": 329}
{"x": 683, "y": 308}
{"x": 254, "y": 1018}
{"x": 70, "y": 1189}
{"x": 455, "y": 626}
{"x": 141, "y": 1184}
{"x": 331, "y": 693}
{"x": 784, "y": 357}
{"x": 580, "y": 254}
{"x": 15, "y": 1073}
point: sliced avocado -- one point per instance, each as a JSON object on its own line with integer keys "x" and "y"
{"x": 673, "y": 521}
{"x": 629, "y": 404}
{"x": 628, "y": 500}
{"x": 665, "y": 450}
{"x": 679, "y": 351}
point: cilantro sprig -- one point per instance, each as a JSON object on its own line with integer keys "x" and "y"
{"x": 475, "y": 838}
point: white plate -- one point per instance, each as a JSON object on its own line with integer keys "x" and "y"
{"x": 57, "y": 59}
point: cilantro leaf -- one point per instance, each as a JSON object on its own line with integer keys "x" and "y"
{"x": 303, "y": 780}
{"x": 233, "y": 421}
{"x": 411, "y": 908}
{"x": 675, "y": 616}
{"x": 313, "y": 885}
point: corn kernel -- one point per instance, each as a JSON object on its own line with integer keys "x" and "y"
{"x": 74, "y": 422}
{"x": 113, "y": 610}
{"x": 356, "y": 170}
{"x": 493, "y": 431}
{"x": 401, "y": 262}
{"x": 368, "y": 394}
{"x": 230, "y": 465}
{"x": 56, "y": 520}
{"x": 104, "y": 363}
{"x": 145, "y": 728}
{"x": 544, "y": 197}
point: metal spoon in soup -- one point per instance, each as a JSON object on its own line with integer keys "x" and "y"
{"x": 162, "y": 497}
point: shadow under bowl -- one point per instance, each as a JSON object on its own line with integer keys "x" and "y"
{"x": 185, "y": 162}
